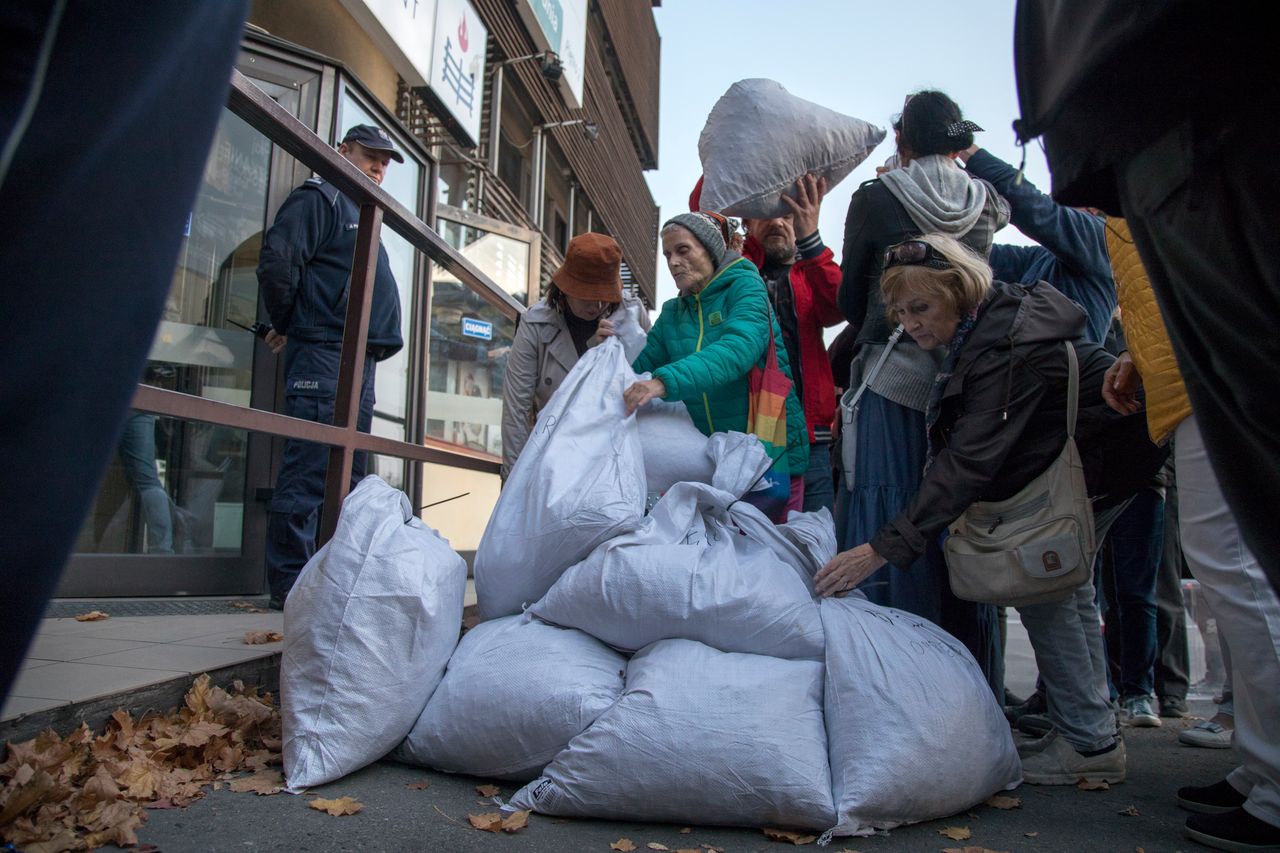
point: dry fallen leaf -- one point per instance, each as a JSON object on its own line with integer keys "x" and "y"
{"x": 688, "y": 850}
{"x": 515, "y": 821}
{"x": 789, "y": 836}
{"x": 92, "y": 616}
{"x": 623, "y": 845}
{"x": 653, "y": 845}
{"x": 489, "y": 821}
{"x": 1003, "y": 802}
{"x": 970, "y": 849}
{"x": 1129, "y": 811}
{"x": 685, "y": 830}
{"x": 247, "y": 607}
{"x": 263, "y": 783}
{"x": 1030, "y": 834}
{"x": 956, "y": 833}
{"x": 337, "y": 808}
{"x": 1086, "y": 785}
{"x": 418, "y": 786}
{"x": 257, "y": 638}
{"x": 488, "y": 790}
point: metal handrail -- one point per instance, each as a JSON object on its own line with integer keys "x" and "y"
{"x": 377, "y": 207}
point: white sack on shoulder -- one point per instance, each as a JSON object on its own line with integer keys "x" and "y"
{"x": 915, "y": 733}
{"x": 578, "y": 482}
{"x": 368, "y": 629}
{"x": 759, "y": 139}
{"x": 699, "y": 736}
{"x": 689, "y": 572}
{"x": 516, "y": 692}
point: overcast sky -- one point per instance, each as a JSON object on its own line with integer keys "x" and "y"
{"x": 857, "y": 57}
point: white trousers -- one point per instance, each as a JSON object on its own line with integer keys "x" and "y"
{"x": 1248, "y": 612}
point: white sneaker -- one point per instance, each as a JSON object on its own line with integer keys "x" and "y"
{"x": 1031, "y": 747}
{"x": 1139, "y": 712}
{"x": 1208, "y": 734}
{"x": 1059, "y": 764}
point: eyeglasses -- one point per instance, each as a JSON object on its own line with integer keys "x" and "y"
{"x": 915, "y": 253}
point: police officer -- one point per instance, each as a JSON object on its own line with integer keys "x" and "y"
{"x": 304, "y": 273}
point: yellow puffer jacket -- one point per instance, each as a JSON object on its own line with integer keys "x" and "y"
{"x": 1144, "y": 329}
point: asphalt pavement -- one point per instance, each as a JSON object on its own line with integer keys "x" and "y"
{"x": 1139, "y": 814}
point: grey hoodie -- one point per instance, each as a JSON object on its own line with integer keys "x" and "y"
{"x": 941, "y": 197}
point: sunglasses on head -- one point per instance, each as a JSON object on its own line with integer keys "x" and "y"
{"x": 915, "y": 253}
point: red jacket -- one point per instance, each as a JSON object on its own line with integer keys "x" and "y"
{"x": 814, "y": 282}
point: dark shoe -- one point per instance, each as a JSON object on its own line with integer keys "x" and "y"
{"x": 1036, "y": 725}
{"x": 276, "y": 603}
{"x": 1011, "y": 699}
{"x": 1034, "y": 704}
{"x": 1173, "y": 707}
{"x": 1217, "y": 798}
{"x": 1233, "y": 830}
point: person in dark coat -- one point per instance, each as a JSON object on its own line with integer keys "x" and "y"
{"x": 304, "y": 272}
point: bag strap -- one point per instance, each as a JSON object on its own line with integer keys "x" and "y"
{"x": 1073, "y": 389}
{"x": 771, "y": 354}
{"x": 875, "y": 368}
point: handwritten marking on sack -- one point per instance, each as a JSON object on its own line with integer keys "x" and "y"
{"x": 546, "y": 426}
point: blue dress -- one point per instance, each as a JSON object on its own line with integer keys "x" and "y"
{"x": 891, "y": 455}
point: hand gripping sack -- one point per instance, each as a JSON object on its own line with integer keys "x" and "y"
{"x": 516, "y": 692}
{"x": 759, "y": 139}
{"x": 368, "y": 629}
{"x": 691, "y": 572}
{"x": 578, "y": 482}
{"x": 913, "y": 729}
{"x": 699, "y": 736}
{"x": 1036, "y": 546}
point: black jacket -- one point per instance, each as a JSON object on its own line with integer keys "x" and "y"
{"x": 304, "y": 271}
{"x": 1003, "y": 413}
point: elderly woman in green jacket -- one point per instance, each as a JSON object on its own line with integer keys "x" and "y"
{"x": 706, "y": 341}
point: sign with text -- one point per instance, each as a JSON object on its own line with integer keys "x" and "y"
{"x": 404, "y": 30}
{"x": 561, "y": 26}
{"x": 473, "y": 328}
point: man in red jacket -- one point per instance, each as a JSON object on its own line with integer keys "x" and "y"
{"x": 802, "y": 277}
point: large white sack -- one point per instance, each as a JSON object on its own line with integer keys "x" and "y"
{"x": 699, "y": 736}
{"x": 516, "y": 692}
{"x": 759, "y": 139}
{"x": 578, "y": 482}
{"x": 691, "y": 572}
{"x": 368, "y": 629}
{"x": 676, "y": 451}
{"x": 628, "y": 328}
{"x": 915, "y": 733}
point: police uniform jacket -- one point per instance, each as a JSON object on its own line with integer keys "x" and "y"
{"x": 304, "y": 271}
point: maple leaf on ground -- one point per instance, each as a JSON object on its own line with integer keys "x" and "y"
{"x": 1002, "y": 802}
{"x": 1129, "y": 811}
{"x": 1030, "y": 834}
{"x": 489, "y": 821}
{"x": 686, "y": 830}
{"x": 262, "y": 783}
{"x": 202, "y": 732}
{"x": 247, "y": 607}
{"x": 114, "y": 824}
{"x": 64, "y": 839}
{"x": 653, "y": 845}
{"x": 789, "y": 837}
{"x": 1086, "y": 785}
{"x": 418, "y": 786}
{"x": 689, "y": 850}
{"x": 488, "y": 790}
{"x": 338, "y": 808}
{"x": 956, "y": 833}
{"x": 624, "y": 845}
{"x": 33, "y": 786}
{"x": 515, "y": 821}
{"x": 93, "y": 616}
{"x": 258, "y": 638}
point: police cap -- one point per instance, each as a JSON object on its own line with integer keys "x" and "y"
{"x": 374, "y": 138}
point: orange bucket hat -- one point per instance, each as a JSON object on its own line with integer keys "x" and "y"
{"x": 590, "y": 269}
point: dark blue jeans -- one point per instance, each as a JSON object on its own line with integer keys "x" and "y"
{"x": 819, "y": 489}
{"x": 311, "y": 382}
{"x": 1125, "y": 574}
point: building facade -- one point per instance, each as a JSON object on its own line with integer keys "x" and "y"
{"x": 522, "y": 123}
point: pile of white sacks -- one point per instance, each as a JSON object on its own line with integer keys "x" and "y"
{"x": 673, "y": 666}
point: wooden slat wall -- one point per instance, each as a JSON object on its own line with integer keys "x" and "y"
{"x": 633, "y": 38}
{"x": 608, "y": 168}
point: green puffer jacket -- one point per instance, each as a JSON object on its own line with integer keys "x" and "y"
{"x": 704, "y": 345}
